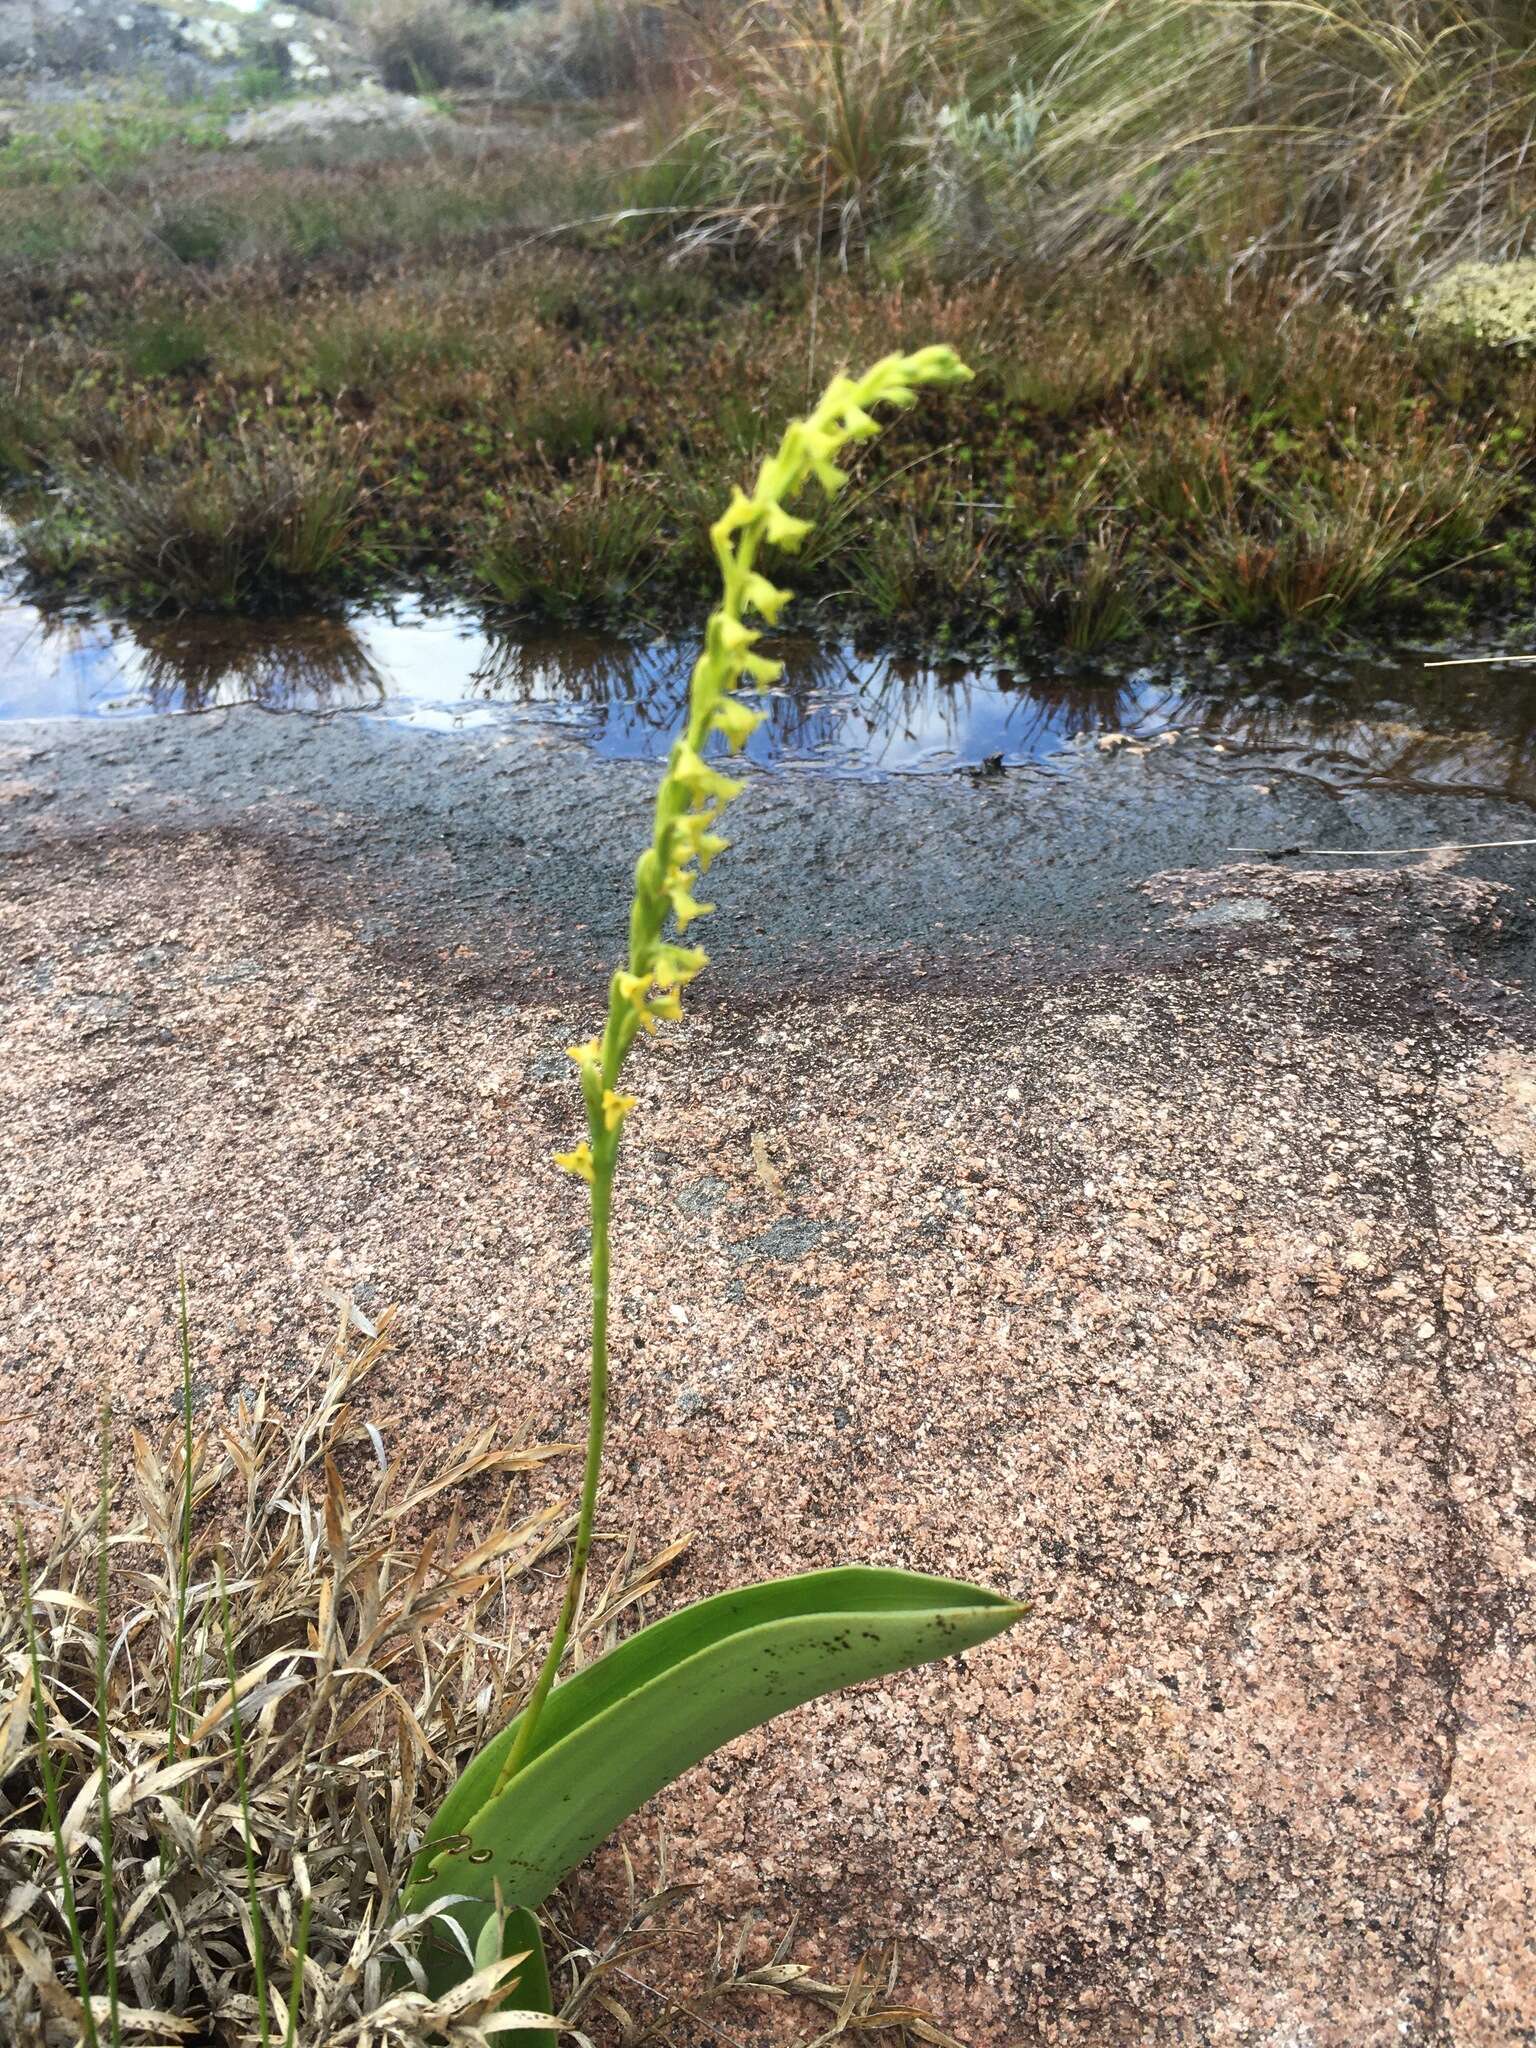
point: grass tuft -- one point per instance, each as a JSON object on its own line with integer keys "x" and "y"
{"x": 258, "y": 525}
{"x": 583, "y": 552}
{"x": 77, "y": 2008}
{"x": 351, "y": 1652}
{"x": 337, "y": 1633}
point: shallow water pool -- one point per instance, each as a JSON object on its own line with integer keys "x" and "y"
{"x": 1397, "y": 721}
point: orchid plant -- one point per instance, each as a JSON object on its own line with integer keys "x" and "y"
{"x": 587, "y": 1752}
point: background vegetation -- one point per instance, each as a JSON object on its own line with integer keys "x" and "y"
{"x": 1195, "y": 249}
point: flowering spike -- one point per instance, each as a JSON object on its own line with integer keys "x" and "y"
{"x": 693, "y": 793}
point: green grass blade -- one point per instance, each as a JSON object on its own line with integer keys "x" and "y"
{"x": 108, "y": 1890}
{"x": 51, "y": 1790}
{"x": 184, "y": 1535}
{"x": 242, "y": 1784}
{"x": 296, "y": 1987}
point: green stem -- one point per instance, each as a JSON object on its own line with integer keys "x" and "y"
{"x": 605, "y": 1160}
{"x": 296, "y": 1988}
{"x": 183, "y": 1555}
{"x": 184, "y": 1532}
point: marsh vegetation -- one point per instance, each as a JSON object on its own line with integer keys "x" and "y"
{"x": 1188, "y": 249}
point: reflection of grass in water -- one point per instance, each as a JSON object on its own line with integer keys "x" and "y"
{"x": 309, "y": 664}
{"x": 1472, "y": 728}
{"x": 648, "y": 687}
{"x": 824, "y": 689}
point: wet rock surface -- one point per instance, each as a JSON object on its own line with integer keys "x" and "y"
{"x": 1166, "y": 1257}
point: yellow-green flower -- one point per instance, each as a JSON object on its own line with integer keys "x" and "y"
{"x": 699, "y": 843}
{"x": 783, "y": 531}
{"x": 616, "y": 1108}
{"x": 578, "y": 1161}
{"x": 699, "y": 779}
{"x": 635, "y": 988}
{"x": 764, "y": 597}
{"x": 732, "y": 718}
{"x": 676, "y": 966}
{"x": 685, "y": 907}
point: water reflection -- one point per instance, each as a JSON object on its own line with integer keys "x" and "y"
{"x": 1399, "y": 723}
{"x": 833, "y": 709}
{"x": 314, "y": 664}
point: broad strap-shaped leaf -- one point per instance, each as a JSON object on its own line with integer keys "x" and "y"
{"x": 614, "y": 1734}
{"x": 529, "y": 1990}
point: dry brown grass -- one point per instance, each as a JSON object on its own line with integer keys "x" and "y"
{"x": 1363, "y": 145}
{"x": 372, "y": 1659}
{"x": 376, "y": 1616}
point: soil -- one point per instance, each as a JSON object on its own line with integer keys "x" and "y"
{"x": 1176, "y": 1273}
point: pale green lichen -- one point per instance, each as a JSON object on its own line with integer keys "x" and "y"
{"x": 1493, "y": 304}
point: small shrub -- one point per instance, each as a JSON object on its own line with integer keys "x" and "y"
{"x": 1492, "y": 304}
{"x": 196, "y": 232}
{"x": 309, "y": 227}
{"x": 587, "y": 49}
{"x": 421, "y": 46}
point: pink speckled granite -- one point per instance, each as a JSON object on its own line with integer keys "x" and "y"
{"x": 1193, "y": 1300}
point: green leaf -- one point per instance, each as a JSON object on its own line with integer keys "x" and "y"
{"x": 614, "y": 1734}
{"x": 529, "y": 1990}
